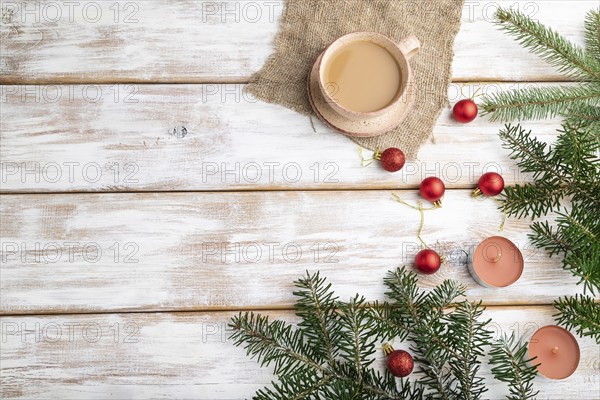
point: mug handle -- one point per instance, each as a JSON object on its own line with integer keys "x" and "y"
{"x": 410, "y": 46}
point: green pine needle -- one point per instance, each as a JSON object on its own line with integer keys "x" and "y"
{"x": 540, "y": 102}
{"x": 577, "y": 104}
{"x": 332, "y": 352}
{"x": 511, "y": 364}
{"x": 570, "y": 59}
{"x": 592, "y": 33}
{"x": 581, "y": 314}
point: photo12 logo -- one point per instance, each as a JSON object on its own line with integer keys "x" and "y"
{"x": 241, "y": 11}
{"x": 52, "y": 12}
{"x": 50, "y": 94}
{"x": 70, "y": 332}
{"x": 68, "y": 171}
{"x": 268, "y": 252}
{"x": 268, "y": 172}
{"x": 69, "y": 252}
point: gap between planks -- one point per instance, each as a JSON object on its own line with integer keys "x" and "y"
{"x": 214, "y": 310}
{"x": 275, "y": 189}
{"x": 229, "y": 81}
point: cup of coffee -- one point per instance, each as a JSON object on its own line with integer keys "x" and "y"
{"x": 363, "y": 75}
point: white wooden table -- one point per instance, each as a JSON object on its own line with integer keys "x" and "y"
{"x": 146, "y": 198}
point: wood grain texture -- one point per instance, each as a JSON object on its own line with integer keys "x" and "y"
{"x": 190, "y": 355}
{"x": 199, "y": 251}
{"x": 129, "y": 138}
{"x": 225, "y": 41}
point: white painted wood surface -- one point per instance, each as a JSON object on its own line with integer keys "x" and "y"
{"x": 208, "y": 41}
{"x": 59, "y": 139}
{"x": 198, "y": 251}
{"x": 190, "y": 356}
{"x": 128, "y": 137}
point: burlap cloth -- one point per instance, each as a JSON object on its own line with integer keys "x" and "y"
{"x": 308, "y": 26}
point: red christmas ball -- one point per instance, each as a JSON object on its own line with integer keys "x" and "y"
{"x": 432, "y": 189}
{"x": 400, "y": 363}
{"x": 428, "y": 261}
{"x": 465, "y": 111}
{"x": 393, "y": 159}
{"x": 491, "y": 184}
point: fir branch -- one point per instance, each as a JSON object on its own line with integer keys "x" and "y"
{"x": 540, "y": 102}
{"x": 510, "y": 364}
{"x": 592, "y": 33}
{"x": 531, "y": 154}
{"x": 532, "y": 199}
{"x": 586, "y": 115}
{"x": 273, "y": 342}
{"x": 576, "y": 155}
{"x": 387, "y": 324}
{"x": 585, "y": 264}
{"x": 355, "y": 348}
{"x": 469, "y": 337}
{"x": 298, "y": 386}
{"x": 316, "y": 306}
{"x": 546, "y": 237}
{"x": 434, "y": 343}
{"x": 331, "y": 354}
{"x": 571, "y": 168}
{"x": 549, "y": 45}
{"x": 581, "y": 314}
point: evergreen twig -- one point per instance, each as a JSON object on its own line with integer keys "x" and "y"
{"x": 570, "y": 59}
{"x": 510, "y": 364}
{"x": 566, "y": 177}
{"x": 592, "y": 33}
{"x": 580, "y": 313}
{"x": 331, "y": 354}
{"x": 540, "y": 102}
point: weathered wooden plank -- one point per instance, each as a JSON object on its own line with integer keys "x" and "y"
{"x": 190, "y": 355}
{"x": 225, "y": 41}
{"x": 199, "y": 251}
{"x": 130, "y": 138}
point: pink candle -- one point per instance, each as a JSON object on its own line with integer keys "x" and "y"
{"x": 496, "y": 262}
{"x": 556, "y": 350}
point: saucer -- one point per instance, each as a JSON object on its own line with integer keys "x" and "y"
{"x": 357, "y": 128}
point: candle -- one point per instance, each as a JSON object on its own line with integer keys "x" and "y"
{"x": 496, "y": 262}
{"x": 556, "y": 350}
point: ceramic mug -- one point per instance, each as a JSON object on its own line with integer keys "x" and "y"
{"x": 402, "y": 52}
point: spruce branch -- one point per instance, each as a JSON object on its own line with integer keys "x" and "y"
{"x": 316, "y": 306}
{"x": 566, "y": 177}
{"x": 549, "y": 45}
{"x": 510, "y": 364}
{"x": 331, "y": 353}
{"x": 581, "y": 314}
{"x": 470, "y": 336}
{"x": 273, "y": 342}
{"x": 578, "y": 103}
{"x": 592, "y": 33}
{"x": 585, "y": 114}
{"x": 540, "y": 102}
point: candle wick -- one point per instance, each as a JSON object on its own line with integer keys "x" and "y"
{"x": 555, "y": 350}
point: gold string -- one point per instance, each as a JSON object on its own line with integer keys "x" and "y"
{"x": 501, "y": 228}
{"x": 421, "y": 209}
{"x": 421, "y": 225}
{"x": 368, "y": 161}
{"x": 477, "y": 194}
{"x": 399, "y": 200}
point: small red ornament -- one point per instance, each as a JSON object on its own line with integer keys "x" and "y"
{"x": 428, "y": 261}
{"x": 399, "y": 362}
{"x": 433, "y": 189}
{"x": 490, "y": 184}
{"x": 465, "y": 111}
{"x": 392, "y": 159}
